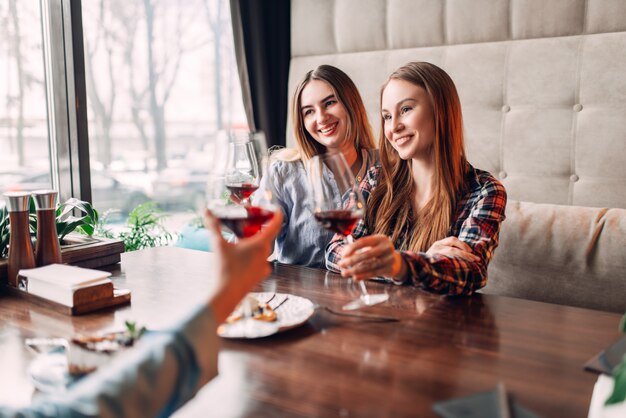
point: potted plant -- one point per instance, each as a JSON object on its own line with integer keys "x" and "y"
{"x": 143, "y": 228}
{"x": 85, "y": 240}
{"x": 73, "y": 215}
{"x": 67, "y": 221}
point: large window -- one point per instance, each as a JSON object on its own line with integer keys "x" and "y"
{"x": 161, "y": 82}
{"x": 24, "y": 149}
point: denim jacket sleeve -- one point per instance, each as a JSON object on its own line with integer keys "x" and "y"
{"x": 154, "y": 379}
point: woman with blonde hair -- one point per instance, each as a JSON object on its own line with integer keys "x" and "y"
{"x": 328, "y": 115}
{"x": 432, "y": 219}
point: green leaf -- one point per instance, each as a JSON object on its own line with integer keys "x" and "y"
{"x": 144, "y": 228}
{"x": 67, "y": 222}
{"x": 619, "y": 390}
{"x": 622, "y": 324}
{"x": 69, "y": 227}
{"x": 64, "y": 210}
{"x": 133, "y": 330}
{"x": 88, "y": 229}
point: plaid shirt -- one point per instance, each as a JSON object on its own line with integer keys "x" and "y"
{"x": 477, "y": 219}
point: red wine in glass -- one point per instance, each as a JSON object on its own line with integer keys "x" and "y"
{"x": 246, "y": 223}
{"x": 339, "y": 221}
{"x": 339, "y": 212}
{"x": 242, "y": 191}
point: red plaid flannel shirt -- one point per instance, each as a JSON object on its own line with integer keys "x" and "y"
{"x": 477, "y": 219}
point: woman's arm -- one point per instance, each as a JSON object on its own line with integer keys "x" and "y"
{"x": 444, "y": 269}
{"x": 480, "y": 219}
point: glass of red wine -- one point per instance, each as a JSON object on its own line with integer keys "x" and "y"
{"x": 234, "y": 178}
{"x": 338, "y": 207}
{"x": 248, "y": 154}
{"x": 234, "y": 196}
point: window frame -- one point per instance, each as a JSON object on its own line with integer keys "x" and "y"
{"x": 64, "y": 71}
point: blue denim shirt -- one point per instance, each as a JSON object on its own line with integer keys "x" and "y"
{"x": 301, "y": 240}
{"x": 154, "y": 379}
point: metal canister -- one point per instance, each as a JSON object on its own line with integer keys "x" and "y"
{"x": 21, "y": 255}
{"x": 47, "y": 246}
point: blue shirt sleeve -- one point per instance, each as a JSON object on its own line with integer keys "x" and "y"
{"x": 154, "y": 379}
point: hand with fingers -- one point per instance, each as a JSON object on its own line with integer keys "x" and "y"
{"x": 453, "y": 247}
{"x": 372, "y": 256}
{"x": 237, "y": 278}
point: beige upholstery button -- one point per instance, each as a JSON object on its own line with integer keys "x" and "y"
{"x": 502, "y": 174}
{"x": 573, "y": 178}
{"x": 578, "y": 107}
{"x": 506, "y": 108}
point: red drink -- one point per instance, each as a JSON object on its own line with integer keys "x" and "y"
{"x": 246, "y": 223}
{"x": 339, "y": 221}
{"x": 241, "y": 191}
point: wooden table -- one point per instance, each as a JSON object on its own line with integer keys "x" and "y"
{"x": 343, "y": 367}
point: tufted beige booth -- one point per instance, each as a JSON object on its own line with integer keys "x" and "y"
{"x": 543, "y": 89}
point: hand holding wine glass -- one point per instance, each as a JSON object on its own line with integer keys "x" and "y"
{"x": 338, "y": 208}
{"x": 372, "y": 256}
{"x": 232, "y": 182}
{"x": 235, "y": 176}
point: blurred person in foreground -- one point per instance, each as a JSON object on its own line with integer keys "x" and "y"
{"x": 167, "y": 368}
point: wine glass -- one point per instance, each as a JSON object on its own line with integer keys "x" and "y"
{"x": 235, "y": 175}
{"x": 243, "y": 176}
{"x": 338, "y": 208}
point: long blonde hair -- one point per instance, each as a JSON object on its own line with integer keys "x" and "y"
{"x": 359, "y": 130}
{"x": 389, "y": 205}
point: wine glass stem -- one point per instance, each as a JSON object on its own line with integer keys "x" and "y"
{"x": 364, "y": 293}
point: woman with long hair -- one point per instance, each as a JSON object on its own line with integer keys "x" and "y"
{"x": 432, "y": 219}
{"x": 328, "y": 115}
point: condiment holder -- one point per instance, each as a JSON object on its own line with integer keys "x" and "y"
{"x": 21, "y": 255}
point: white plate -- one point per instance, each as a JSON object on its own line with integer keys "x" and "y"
{"x": 49, "y": 373}
{"x": 294, "y": 312}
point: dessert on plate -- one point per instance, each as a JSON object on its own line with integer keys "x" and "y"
{"x": 258, "y": 310}
{"x": 85, "y": 353}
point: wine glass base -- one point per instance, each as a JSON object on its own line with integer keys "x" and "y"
{"x": 366, "y": 300}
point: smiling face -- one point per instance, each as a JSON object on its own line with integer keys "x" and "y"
{"x": 325, "y": 118}
{"x": 408, "y": 119}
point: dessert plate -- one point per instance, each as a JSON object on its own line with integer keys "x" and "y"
{"x": 291, "y": 312}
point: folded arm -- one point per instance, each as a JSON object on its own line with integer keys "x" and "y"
{"x": 479, "y": 229}
{"x": 456, "y": 265}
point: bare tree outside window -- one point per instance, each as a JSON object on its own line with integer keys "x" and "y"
{"x": 161, "y": 82}
{"x": 102, "y": 96}
{"x": 23, "y": 120}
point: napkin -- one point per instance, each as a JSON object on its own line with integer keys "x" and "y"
{"x": 606, "y": 360}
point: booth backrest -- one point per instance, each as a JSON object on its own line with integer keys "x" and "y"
{"x": 542, "y": 83}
